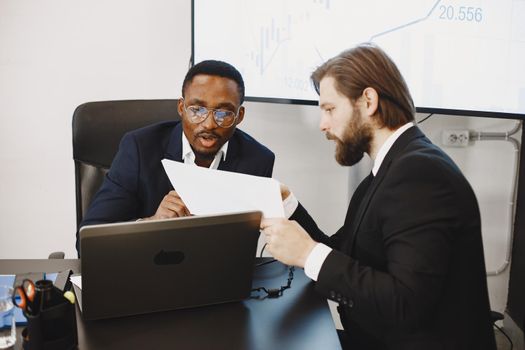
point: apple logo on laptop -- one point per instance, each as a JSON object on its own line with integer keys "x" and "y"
{"x": 167, "y": 257}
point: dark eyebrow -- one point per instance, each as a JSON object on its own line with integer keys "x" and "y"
{"x": 226, "y": 105}
{"x": 195, "y": 101}
{"x": 222, "y": 105}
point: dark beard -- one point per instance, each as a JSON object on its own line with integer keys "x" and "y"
{"x": 356, "y": 141}
{"x": 204, "y": 156}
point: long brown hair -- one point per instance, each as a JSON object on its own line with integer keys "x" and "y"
{"x": 365, "y": 66}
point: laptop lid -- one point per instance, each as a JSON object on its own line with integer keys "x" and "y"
{"x": 148, "y": 266}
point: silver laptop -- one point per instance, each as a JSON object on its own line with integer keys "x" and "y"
{"x": 148, "y": 266}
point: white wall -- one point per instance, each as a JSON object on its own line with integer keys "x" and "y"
{"x": 57, "y": 54}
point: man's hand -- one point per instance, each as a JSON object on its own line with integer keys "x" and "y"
{"x": 285, "y": 191}
{"x": 171, "y": 206}
{"x": 287, "y": 241}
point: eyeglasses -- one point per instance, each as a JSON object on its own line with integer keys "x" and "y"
{"x": 198, "y": 114}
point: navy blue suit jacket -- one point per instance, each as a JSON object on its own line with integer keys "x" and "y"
{"x": 136, "y": 182}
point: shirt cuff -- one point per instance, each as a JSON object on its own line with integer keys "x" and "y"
{"x": 290, "y": 204}
{"x": 315, "y": 260}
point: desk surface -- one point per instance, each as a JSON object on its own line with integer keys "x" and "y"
{"x": 300, "y": 319}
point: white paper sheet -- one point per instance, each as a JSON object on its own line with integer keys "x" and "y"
{"x": 76, "y": 280}
{"x": 206, "y": 191}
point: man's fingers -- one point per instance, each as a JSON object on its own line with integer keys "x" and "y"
{"x": 267, "y": 222}
{"x": 285, "y": 191}
{"x": 173, "y": 203}
{"x": 177, "y": 209}
{"x": 173, "y": 193}
{"x": 173, "y": 198}
{"x": 269, "y": 249}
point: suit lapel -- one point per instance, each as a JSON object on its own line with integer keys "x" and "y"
{"x": 173, "y": 149}
{"x": 232, "y": 158}
{"x": 362, "y": 208}
{"x": 397, "y": 148}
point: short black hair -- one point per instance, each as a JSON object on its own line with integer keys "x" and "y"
{"x": 216, "y": 68}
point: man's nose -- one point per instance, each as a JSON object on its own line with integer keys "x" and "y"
{"x": 323, "y": 123}
{"x": 209, "y": 123}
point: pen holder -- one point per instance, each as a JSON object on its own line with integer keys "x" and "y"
{"x": 54, "y": 326}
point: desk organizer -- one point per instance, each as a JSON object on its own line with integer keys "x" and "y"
{"x": 54, "y": 326}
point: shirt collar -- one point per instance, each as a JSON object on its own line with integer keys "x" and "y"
{"x": 188, "y": 157}
{"x": 387, "y": 145}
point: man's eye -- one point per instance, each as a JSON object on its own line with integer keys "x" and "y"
{"x": 197, "y": 109}
{"x": 222, "y": 114}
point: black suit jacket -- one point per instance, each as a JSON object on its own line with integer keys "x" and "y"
{"x": 407, "y": 267}
{"x": 136, "y": 182}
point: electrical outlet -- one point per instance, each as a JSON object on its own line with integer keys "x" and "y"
{"x": 455, "y": 138}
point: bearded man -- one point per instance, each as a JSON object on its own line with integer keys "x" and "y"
{"x": 407, "y": 267}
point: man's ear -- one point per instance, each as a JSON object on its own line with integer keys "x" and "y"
{"x": 371, "y": 101}
{"x": 180, "y": 106}
{"x": 240, "y": 116}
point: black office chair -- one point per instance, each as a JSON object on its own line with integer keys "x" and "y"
{"x": 97, "y": 130}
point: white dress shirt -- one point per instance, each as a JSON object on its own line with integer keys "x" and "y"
{"x": 318, "y": 255}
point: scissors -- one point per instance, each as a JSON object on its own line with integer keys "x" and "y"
{"x": 24, "y": 295}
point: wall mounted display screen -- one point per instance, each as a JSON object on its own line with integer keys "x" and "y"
{"x": 458, "y": 57}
